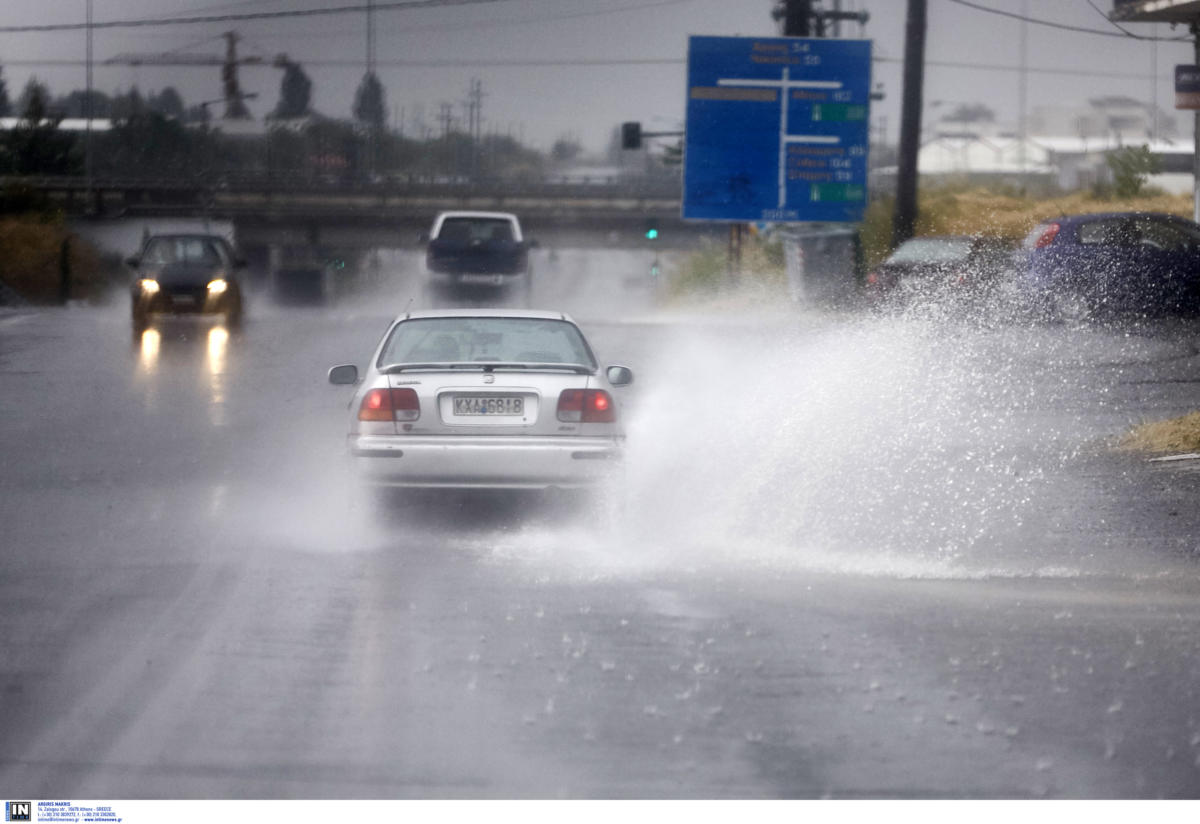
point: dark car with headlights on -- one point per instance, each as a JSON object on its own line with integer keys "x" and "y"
{"x": 484, "y": 399}
{"x": 1112, "y": 264}
{"x": 945, "y": 266}
{"x": 185, "y": 274}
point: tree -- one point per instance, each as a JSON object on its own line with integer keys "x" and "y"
{"x": 150, "y": 143}
{"x": 35, "y": 98}
{"x": 35, "y": 146}
{"x": 167, "y": 102}
{"x": 295, "y": 93}
{"x": 129, "y": 105}
{"x": 369, "y": 105}
{"x": 672, "y": 154}
{"x": 75, "y": 104}
{"x": 1130, "y": 167}
{"x": 565, "y": 149}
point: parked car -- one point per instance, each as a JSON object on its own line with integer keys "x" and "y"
{"x": 185, "y": 274}
{"x": 938, "y": 266}
{"x": 1112, "y": 263}
{"x": 484, "y": 399}
{"x": 482, "y": 250}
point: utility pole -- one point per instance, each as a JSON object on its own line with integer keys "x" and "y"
{"x": 1022, "y": 93}
{"x": 797, "y": 18}
{"x": 88, "y": 114}
{"x": 372, "y": 137}
{"x": 235, "y": 106}
{"x": 905, "y": 218}
{"x": 475, "y": 121}
{"x": 1195, "y": 29}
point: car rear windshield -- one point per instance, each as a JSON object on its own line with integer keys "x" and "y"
{"x": 932, "y": 250}
{"x": 491, "y": 340}
{"x": 467, "y": 230}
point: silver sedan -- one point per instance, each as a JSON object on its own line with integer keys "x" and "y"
{"x": 484, "y": 399}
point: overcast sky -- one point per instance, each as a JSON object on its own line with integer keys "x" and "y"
{"x": 541, "y": 62}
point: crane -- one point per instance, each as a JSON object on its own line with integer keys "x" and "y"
{"x": 235, "y": 106}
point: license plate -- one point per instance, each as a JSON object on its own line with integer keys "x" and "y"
{"x": 489, "y": 406}
{"x": 183, "y": 300}
{"x": 494, "y": 280}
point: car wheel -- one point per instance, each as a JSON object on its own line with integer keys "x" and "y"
{"x": 233, "y": 315}
{"x": 1069, "y": 309}
{"x": 139, "y": 319}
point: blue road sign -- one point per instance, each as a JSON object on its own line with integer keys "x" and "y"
{"x": 777, "y": 129}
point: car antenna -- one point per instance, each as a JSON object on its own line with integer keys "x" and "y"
{"x": 408, "y": 308}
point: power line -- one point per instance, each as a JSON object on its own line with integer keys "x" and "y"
{"x": 1063, "y": 26}
{"x": 610, "y": 61}
{"x": 326, "y": 11}
{"x": 1000, "y": 67}
{"x": 504, "y": 22}
{"x": 1114, "y": 23}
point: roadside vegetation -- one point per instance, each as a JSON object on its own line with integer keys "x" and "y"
{"x": 1174, "y": 436}
{"x": 41, "y": 260}
{"x": 951, "y": 210}
{"x": 705, "y": 272}
{"x": 943, "y": 210}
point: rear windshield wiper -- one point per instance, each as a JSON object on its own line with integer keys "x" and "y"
{"x": 487, "y": 366}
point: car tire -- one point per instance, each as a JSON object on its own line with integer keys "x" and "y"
{"x": 233, "y": 315}
{"x": 139, "y": 319}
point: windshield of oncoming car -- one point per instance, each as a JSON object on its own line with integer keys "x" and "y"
{"x": 932, "y": 250}
{"x": 162, "y": 250}
{"x": 492, "y": 340}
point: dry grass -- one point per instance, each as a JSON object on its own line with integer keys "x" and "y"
{"x": 31, "y": 261}
{"x": 703, "y": 273}
{"x": 1172, "y": 436}
{"x": 950, "y": 210}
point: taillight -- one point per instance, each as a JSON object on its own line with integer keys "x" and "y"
{"x": 390, "y": 405}
{"x": 586, "y": 406}
{"x": 1047, "y": 237}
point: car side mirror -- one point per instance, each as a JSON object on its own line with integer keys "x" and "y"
{"x": 533, "y": 244}
{"x": 423, "y": 237}
{"x": 619, "y": 375}
{"x": 344, "y": 375}
{"x": 133, "y": 261}
{"x": 240, "y": 263}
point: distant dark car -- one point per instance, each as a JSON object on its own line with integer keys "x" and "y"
{"x": 949, "y": 265}
{"x": 479, "y": 250}
{"x": 185, "y": 274}
{"x": 1114, "y": 263}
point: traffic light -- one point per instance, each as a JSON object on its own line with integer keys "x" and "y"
{"x": 652, "y": 229}
{"x": 631, "y": 135}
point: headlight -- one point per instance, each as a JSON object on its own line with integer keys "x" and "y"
{"x": 149, "y": 286}
{"x": 216, "y": 287}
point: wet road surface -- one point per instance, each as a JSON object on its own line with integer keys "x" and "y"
{"x": 860, "y": 557}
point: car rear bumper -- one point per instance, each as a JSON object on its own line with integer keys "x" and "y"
{"x": 475, "y": 279}
{"x": 484, "y": 462}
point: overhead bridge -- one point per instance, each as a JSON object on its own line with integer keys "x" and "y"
{"x": 269, "y": 210}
